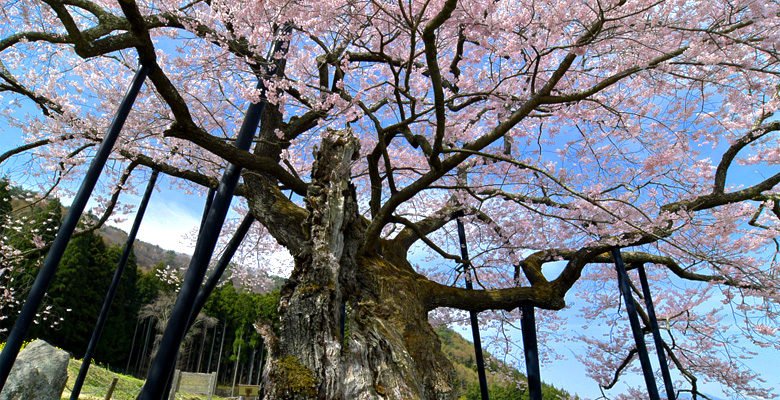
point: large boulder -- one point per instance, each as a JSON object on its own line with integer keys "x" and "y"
{"x": 39, "y": 373}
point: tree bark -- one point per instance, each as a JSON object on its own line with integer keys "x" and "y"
{"x": 390, "y": 350}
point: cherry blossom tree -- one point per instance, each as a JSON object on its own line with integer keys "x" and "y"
{"x": 559, "y": 129}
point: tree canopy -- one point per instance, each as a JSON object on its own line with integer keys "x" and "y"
{"x": 558, "y": 129}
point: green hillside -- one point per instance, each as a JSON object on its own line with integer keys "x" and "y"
{"x": 501, "y": 377}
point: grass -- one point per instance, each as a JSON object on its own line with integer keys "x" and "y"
{"x": 98, "y": 379}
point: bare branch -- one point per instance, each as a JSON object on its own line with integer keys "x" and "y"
{"x": 418, "y": 232}
{"x": 725, "y": 161}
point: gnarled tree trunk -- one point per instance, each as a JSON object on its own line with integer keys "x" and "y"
{"x": 390, "y": 352}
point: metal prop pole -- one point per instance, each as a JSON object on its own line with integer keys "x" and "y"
{"x": 206, "y": 207}
{"x": 211, "y": 350}
{"x": 132, "y": 347}
{"x": 222, "y": 264}
{"x": 120, "y": 268}
{"x": 221, "y": 344}
{"x": 659, "y": 343}
{"x": 157, "y": 377}
{"x": 216, "y": 273}
{"x": 464, "y": 252}
{"x": 528, "y": 324}
{"x": 196, "y": 310}
{"x": 52, "y": 260}
{"x": 140, "y": 361}
{"x": 176, "y": 328}
{"x": 644, "y": 359}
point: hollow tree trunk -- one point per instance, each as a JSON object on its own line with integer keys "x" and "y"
{"x": 390, "y": 352}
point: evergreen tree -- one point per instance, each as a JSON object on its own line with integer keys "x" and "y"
{"x": 27, "y": 228}
{"x": 118, "y": 333}
{"x": 78, "y": 286}
{"x": 161, "y": 279}
{"x": 35, "y": 224}
{"x": 240, "y": 310}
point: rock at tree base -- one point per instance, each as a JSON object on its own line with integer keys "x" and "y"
{"x": 39, "y": 373}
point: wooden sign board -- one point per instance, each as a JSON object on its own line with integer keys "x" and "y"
{"x": 190, "y": 382}
{"x": 248, "y": 390}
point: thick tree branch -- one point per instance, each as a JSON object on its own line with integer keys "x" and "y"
{"x": 523, "y": 110}
{"x": 438, "y": 295}
{"x": 266, "y": 201}
{"x": 424, "y": 182}
{"x": 432, "y": 60}
{"x": 29, "y": 146}
{"x": 372, "y": 159}
{"x": 147, "y": 56}
{"x": 300, "y": 124}
{"x": 33, "y": 37}
{"x": 188, "y": 175}
{"x": 599, "y": 254}
{"x": 716, "y": 199}
{"x": 609, "y": 81}
{"x": 70, "y": 25}
{"x": 672, "y": 265}
{"x": 242, "y": 158}
{"x": 518, "y": 198}
{"x": 13, "y": 85}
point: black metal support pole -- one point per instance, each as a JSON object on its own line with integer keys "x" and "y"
{"x": 644, "y": 359}
{"x": 528, "y": 324}
{"x": 206, "y": 207}
{"x": 202, "y": 347}
{"x": 132, "y": 347}
{"x": 216, "y": 273}
{"x": 213, "y": 279}
{"x": 120, "y": 268}
{"x": 140, "y": 361}
{"x": 659, "y": 343}
{"x": 52, "y": 261}
{"x": 221, "y": 345}
{"x": 211, "y": 350}
{"x": 178, "y": 323}
{"x": 222, "y": 264}
{"x": 157, "y": 377}
{"x": 464, "y": 252}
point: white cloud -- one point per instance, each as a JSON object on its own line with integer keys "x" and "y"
{"x": 166, "y": 224}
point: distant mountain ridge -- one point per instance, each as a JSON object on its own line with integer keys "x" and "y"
{"x": 147, "y": 255}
